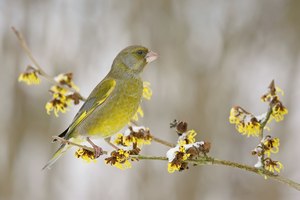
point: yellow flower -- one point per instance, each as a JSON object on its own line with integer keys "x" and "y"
{"x": 147, "y": 92}
{"x": 245, "y": 122}
{"x": 176, "y": 157}
{"x": 278, "y": 111}
{"x": 138, "y": 113}
{"x": 59, "y": 103}
{"x": 273, "y": 166}
{"x": 279, "y": 90}
{"x": 134, "y": 136}
{"x": 61, "y": 99}
{"x": 191, "y": 136}
{"x": 272, "y": 93}
{"x": 86, "y": 155}
{"x": 119, "y": 158}
{"x": 30, "y": 76}
{"x": 119, "y": 140}
{"x": 271, "y": 145}
{"x": 187, "y": 138}
{"x": 57, "y": 89}
{"x": 66, "y": 79}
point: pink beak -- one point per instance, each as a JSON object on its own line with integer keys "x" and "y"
{"x": 151, "y": 56}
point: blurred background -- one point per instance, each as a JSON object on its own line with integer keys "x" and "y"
{"x": 213, "y": 55}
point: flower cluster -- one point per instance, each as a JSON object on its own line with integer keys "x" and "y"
{"x": 61, "y": 95}
{"x": 30, "y": 76}
{"x": 67, "y": 80}
{"x": 186, "y": 148}
{"x": 85, "y": 154}
{"x": 59, "y": 101}
{"x": 272, "y": 165}
{"x": 147, "y": 94}
{"x": 272, "y": 97}
{"x": 119, "y": 158}
{"x": 271, "y": 145}
{"x": 267, "y": 146}
{"x": 245, "y": 122}
{"x": 176, "y": 157}
{"x": 248, "y": 124}
{"x": 187, "y": 138}
{"x": 134, "y": 135}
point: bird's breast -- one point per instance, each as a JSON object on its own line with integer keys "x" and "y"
{"x": 116, "y": 111}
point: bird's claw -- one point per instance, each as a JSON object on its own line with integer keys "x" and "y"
{"x": 98, "y": 151}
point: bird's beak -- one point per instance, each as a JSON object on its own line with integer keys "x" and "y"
{"x": 151, "y": 56}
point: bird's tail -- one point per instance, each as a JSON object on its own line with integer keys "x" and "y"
{"x": 60, "y": 151}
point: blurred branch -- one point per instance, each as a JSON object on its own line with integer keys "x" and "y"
{"x": 168, "y": 144}
{"x": 25, "y": 47}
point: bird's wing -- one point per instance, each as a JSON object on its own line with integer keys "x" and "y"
{"x": 98, "y": 96}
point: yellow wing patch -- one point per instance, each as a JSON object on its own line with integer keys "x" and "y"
{"x": 98, "y": 96}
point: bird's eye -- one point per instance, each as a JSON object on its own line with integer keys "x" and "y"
{"x": 140, "y": 52}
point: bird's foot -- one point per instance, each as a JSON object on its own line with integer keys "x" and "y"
{"x": 98, "y": 151}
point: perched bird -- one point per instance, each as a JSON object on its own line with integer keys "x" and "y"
{"x": 112, "y": 103}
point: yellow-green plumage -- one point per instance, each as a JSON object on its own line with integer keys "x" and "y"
{"x": 113, "y": 102}
{"x": 116, "y": 111}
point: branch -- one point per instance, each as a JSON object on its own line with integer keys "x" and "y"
{"x": 263, "y": 123}
{"x": 62, "y": 140}
{"x": 203, "y": 161}
{"x": 25, "y": 47}
{"x": 214, "y": 161}
{"x": 163, "y": 142}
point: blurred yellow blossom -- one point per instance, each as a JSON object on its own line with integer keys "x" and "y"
{"x": 58, "y": 103}
{"x": 147, "y": 92}
{"x": 245, "y": 122}
{"x": 61, "y": 99}
{"x": 273, "y": 166}
{"x": 139, "y": 113}
{"x": 30, "y": 76}
{"x": 86, "y": 155}
{"x": 57, "y": 89}
{"x": 271, "y": 145}
{"x": 66, "y": 79}
{"x": 187, "y": 138}
{"x": 278, "y": 111}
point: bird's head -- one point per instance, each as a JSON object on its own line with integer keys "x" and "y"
{"x": 132, "y": 60}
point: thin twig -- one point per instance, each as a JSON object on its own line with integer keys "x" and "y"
{"x": 163, "y": 142}
{"x": 62, "y": 140}
{"x": 40, "y": 70}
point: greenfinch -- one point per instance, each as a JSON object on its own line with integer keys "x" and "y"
{"x": 112, "y": 103}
